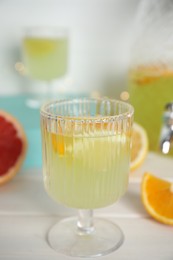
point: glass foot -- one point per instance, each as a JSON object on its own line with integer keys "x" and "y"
{"x": 65, "y": 238}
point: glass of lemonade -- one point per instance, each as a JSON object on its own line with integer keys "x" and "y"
{"x": 45, "y": 54}
{"x": 86, "y": 154}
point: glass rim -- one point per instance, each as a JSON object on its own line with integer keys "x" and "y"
{"x": 100, "y": 118}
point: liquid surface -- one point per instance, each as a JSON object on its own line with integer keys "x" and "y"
{"x": 85, "y": 172}
{"x": 151, "y": 88}
{"x": 45, "y": 59}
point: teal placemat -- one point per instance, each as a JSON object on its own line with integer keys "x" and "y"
{"x": 30, "y": 119}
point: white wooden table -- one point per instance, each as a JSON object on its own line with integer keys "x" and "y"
{"x": 26, "y": 214}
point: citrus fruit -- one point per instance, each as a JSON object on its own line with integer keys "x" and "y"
{"x": 157, "y": 197}
{"x": 147, "y": 74}
{"x": 58, "y": 141}
{"x": 13, "y": 146}
{"x": 139, "y": 146}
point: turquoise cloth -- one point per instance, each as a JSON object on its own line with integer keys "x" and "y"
{"x": 30, "y": 119}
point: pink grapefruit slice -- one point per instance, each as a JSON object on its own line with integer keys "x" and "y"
{"x": 13, "y": 146}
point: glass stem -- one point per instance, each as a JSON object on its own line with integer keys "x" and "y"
{"x": 85, "y": 224}
{"x": 49, "y": 91}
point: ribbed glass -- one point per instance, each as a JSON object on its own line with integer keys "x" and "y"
{"x": 86, "y": 151}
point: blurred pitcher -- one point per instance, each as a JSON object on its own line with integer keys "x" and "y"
{"x": 151, "y": 69}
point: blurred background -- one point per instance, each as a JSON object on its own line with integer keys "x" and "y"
{"x": 99, "y": 32}
{"x": 116, "y": 48}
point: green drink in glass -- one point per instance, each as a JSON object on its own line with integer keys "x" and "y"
{"x": 86, "y": 157}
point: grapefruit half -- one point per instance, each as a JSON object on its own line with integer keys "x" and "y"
{"x": 13, "y": 146}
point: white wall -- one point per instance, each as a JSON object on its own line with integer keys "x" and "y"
{"x": 99, "y": 46}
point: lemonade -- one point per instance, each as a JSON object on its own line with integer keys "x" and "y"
{"x": 86, "y": 172}
{"x": 45, "y": 58}
{"x": 86, "y": 146}
{"x": 151, "y": 88}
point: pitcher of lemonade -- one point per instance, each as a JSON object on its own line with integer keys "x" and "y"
{"x": 151, "y": 69}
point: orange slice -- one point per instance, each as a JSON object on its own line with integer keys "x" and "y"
{"x": 13, "y": 146}
{"x": 139, "y": 143}
{"x": 139, "y": 146}
{"x": 157, "y": 197}
{"x": 146, "y": 74}
{"x": 58, "y": 141}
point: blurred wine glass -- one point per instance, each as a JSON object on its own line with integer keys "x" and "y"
{"x": 45, "y": 55}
